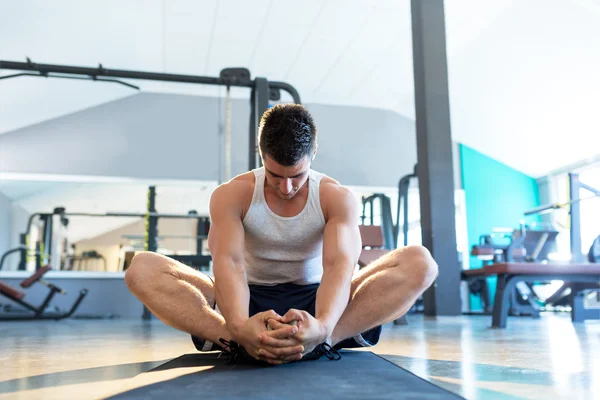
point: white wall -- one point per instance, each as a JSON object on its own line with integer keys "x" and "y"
{"x": 166, "y": 136}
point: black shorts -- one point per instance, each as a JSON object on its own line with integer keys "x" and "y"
{"x": 281, "y": 298}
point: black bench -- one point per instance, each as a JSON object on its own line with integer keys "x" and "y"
{"x": 509, "y": 274}
{"x": 32, "y": 311}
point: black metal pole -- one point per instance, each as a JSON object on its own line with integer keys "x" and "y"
{"x": 120, "y": 73}
{"x": 575, "y": 213}
{"x": 434, "y": 150}
{"x": 259, "y": 85}
{"x": 288, "y": 88}
{"x": 151, "y": 222}
{"x": 261, "y": 98}
{"x": 405, "y": 219}
{"x": 151, "y": 243}
{"x": 252, "y": 132}
{"x": 23, "y": 238}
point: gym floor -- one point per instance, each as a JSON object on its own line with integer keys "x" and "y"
{"x": 549, "y": 358}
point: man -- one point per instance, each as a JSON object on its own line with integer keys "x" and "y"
{"x": 284, "y": 241}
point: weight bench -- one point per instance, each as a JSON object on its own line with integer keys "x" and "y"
{"x": 509, "y": 274}
{"x": 37, "y": 312}
{"x": 372, "y": 249}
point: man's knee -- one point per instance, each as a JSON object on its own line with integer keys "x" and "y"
{"x": 143, "y": 269}
{"x": 419, "y": 262}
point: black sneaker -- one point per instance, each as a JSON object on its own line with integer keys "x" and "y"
{"x": 323, "y": 349}
{"x": 205, "y": 345}
{"x": 237, "y": 353}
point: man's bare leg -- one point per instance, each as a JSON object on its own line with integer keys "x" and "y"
{"x": 176, "y": 294}
{"x": 385, "y": 290}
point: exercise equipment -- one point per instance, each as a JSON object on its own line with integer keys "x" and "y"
{"x": 510, "y": 274}
{"x": 567, "y": 293}
{"x": 373, "y": 247}
{"x": 594, "y": 252}
{"x": 43, "y": 248}
{"x": 36, "y": 312}
{"x": 211, "y": 375}
{"x": 262, "y": 90}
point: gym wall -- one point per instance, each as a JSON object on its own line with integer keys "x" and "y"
{"x": 496, "y": 195}
{"x": 168, "y": 136}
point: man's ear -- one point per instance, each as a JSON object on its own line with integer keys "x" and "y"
{"x": 315, "y": 151}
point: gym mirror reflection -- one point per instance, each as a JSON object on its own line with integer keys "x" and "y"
{"x": 98, "y": 226}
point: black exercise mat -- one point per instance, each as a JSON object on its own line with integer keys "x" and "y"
{"x": 358, "y": 375}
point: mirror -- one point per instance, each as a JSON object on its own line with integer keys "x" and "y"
{"x": 97, "y": 226}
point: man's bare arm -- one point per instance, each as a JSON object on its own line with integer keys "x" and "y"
{"x": 226, "y": 243}
{"x": 341, "y": 249}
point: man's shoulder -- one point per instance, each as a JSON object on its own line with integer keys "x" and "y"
{"x": 335, "y": 197}
{"x": 331, "y": 188}
{"x": 238, "y": 191}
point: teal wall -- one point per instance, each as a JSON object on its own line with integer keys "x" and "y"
{"x": 496, "y": 196}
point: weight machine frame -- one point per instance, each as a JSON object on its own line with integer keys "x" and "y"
{"x": 262, "y": 90}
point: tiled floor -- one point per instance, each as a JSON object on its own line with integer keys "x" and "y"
{"x": 548, "y": 358}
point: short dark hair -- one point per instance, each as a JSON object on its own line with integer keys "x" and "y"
{"x": 287, "y": 134}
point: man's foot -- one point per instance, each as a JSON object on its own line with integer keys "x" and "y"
{"x": 323, "y": 349}
{"x": 237, "y": 353}
{"x": 205, "y": 345}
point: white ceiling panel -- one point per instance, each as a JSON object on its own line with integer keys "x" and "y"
{"x": 189, "y": 26}
{"x": 337, "y": 29}
{"x": 119, "y": 34}
{"x": 236, "y": 32}
{"x": 520, "y": 72}
{"x": 369, "y": 54}
{"x": 283, "y": 35}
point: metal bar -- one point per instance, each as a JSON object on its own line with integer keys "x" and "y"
{"x": 252, "y": 132}
{"x": 47, "y": 300}
{"x": 151, "y": 221}
{"x": 262, "y": 104}
{"x": 120, "y": 73}
{"x": 288, "y": 88}
{"x": 165, "y": 237}
{"x": 405, "y": 223}
{"x": 83, "y": 78}
{"x": 387, "y": 222}
{"x": 48, "y": 231}
{"x": 9, "y": 252}
{"x": 24, "y": 304}
{"x": 575, "y": 214}
{"x": 151, "y": 243}
{"x": 18, "y": 75}
{"x": 134, "y": 215}
{"x": 590, "y": 189}
{"x": 504, "y": 287}
{"x": 434, "y": 150}
{"x": 23, "y": 261}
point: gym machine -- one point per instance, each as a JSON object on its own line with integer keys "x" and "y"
{"x": 570, "y": 292}
{"x": 518, "y": 245}
{"x": 390, "y": 229}
{"x": 36, "y": 312}
{"x": 43, "y": 247}
{"x": 43, "y": 255}
{"x": 262, "y": 90}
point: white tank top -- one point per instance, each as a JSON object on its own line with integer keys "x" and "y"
{"x": 284, "y": 249}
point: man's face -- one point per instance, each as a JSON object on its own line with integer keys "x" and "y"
{"x": 286, "y": 181}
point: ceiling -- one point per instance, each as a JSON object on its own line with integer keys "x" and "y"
{"x": 523, "y": 75}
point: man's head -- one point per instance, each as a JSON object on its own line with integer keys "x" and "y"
{"x": 288, "y": 144}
